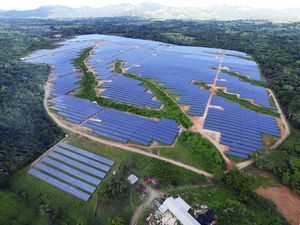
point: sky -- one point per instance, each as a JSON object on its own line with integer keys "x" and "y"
{"x": 31, "y": 4}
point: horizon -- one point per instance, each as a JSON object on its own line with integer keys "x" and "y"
{"x": 256, "y": 4}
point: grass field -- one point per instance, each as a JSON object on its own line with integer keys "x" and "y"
{"x": 194, "y": 150}
{"x": 63, "y": 208}
{"x": 16, "y": 211}
{"x": 226, "y": 206}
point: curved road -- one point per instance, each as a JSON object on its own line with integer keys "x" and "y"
{"x": 118, "y": 145}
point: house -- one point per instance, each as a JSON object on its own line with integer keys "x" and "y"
{"x": 179, "y": 208}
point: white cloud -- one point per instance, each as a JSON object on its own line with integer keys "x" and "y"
{"x": 30, "y": 4}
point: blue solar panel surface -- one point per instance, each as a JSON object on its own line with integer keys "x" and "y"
{"x": 241, "y": 129}
{"x": 244, "y": 89}
{"x": 77, "y": 174}
{"x": 177, "y": 68}
{"x": 126, "y": 127}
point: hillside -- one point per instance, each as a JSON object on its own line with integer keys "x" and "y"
{"x": 157, "y": 11}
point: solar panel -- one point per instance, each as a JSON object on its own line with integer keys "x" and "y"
{"x": 59, "y": 184}
{"x": 64, "y": 177}
{"x": 72, "y": 171}
{"x": 83, "y": 159}
{"x": 88, "y": 154}
{"x": 78, "y": 165}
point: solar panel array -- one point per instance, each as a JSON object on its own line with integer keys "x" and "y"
{"x": 74, "y": 109}
{"x": 177, "y": 67}
{"x": 241, "y": 129}
{"x": 244, "y": 89}
{"x": 124, "y": 127}
{"x": 73, "y": 170}
{"x": 178, "y": 70}
{"x": 65, "y": 77}
{"x": 130, "y": 91}
{"x": 242, "y": 66}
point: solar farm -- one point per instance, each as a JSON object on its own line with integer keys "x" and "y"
{"x": 176, "y": 68}
{"x": 73, "y": 170}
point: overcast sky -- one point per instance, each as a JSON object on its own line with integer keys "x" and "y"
{"x": 30, "y": 4}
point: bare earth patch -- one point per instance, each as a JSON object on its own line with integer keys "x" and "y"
{"x": 287, "y": 202}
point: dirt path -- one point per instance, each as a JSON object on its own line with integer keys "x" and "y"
{"x": 198, "y": 126}
{"x": 119, "y": 145}
{"x": 287, "y": 202}
{"x": 151, "y": 195}
{"x": 286, "y": 134}
{"x": 287, "y": 131}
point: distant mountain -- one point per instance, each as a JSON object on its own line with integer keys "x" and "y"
{"x": 157, "y": 11}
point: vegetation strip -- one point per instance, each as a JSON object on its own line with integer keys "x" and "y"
{"x": 246, "y": 79}
{"x": 172, "y": 109}
{"x": 247, "y": 104}
{"x": 88, "y": 85}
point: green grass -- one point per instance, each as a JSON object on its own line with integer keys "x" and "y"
{"x": 137, "y": 164}
{"x": 87, "y": 86}
{"x": 246, "y": 79}
{"x": 219, "y": 198}
{"x": 258, "y": 180}
{"x": 123, "y": 208}
{"x": 202, "y": 85}
{"x": 79, "y": 62}
{"x": 61, "y": 207}
{"x": 171, "y": 109}
{"x": 194, "y": 150}
{"x": 87, "y": 82}
{"x": 269, "y": 140}
{"x": 66, "y": 209}
{"x": 15, "y": 211}
{"x": 236, "y": 159}
{"x": 87, "y": 90}
{"x": 246, "y": 104}
{"x": 241, "y": 57}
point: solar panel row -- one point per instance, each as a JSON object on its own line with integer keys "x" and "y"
{"x": 76, "y": 174}
{"x": 241, "y": 129}
{"x": 76, "y": 110}
{"x": 245, "y": 90}
{"x": 63, "y": 70}
{"x": 130, "y": 91}
{"x": 125, "y": 127}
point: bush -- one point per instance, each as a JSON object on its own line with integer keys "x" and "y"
{"x": 115, "y": 187}
{"x": 116, "y": 221}
{"x": 197, "y": 144}
{"x": 237, "y": 181}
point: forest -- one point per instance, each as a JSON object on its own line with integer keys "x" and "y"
{"x": 26, "y": 131}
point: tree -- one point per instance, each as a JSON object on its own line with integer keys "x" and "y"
{"x": 116, "y": 221}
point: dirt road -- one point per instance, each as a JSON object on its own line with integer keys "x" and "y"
{"x": 287, "y": 131}
{"x": 287, "y": 202}
{"x": 151, "y": 195}
{"x": 119, "y": 145}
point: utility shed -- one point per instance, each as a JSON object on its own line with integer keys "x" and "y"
{"x": 179, "y": 208}
{"x": 132, "y": 179}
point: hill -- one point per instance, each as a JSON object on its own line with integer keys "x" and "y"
{"x": 156, "y": 11}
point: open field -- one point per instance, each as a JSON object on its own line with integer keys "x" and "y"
{"x": 66, "y": 208}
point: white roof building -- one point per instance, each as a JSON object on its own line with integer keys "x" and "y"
{"x": 132, "y": 179}
{"x": 179, "y": 208}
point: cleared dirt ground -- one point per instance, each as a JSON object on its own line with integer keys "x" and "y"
{"x": 287, "y": 202}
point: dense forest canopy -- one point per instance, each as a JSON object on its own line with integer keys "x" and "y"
{"x": 25, "y": 129}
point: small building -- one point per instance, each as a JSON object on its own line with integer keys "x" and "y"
{"x": 132, "y": 179}
{"x": 57, "y": 36}
{"x": 179, "y": 208}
